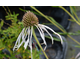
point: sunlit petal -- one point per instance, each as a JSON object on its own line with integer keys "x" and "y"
{"x": 15, "y": 47}
{"x": 26, "y": 42}
{"x": 18, "y": 40}
{"x": 52, "y": 31}
{"x": 19, "y": 37}
{"x": 48, "y": 33}
{"x": 30, "y": 44}
{"x": 20, "y": 44}
{"x": 42, "y": 35}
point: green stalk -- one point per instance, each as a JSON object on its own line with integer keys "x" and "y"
{"x": 69, "y": 15}
{"x": 39, "y": 44}
{"x": 55, "y": 24}
{"x": 73, "y": 39}
{"x": 75, "y": 14}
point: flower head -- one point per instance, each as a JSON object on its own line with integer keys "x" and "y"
{"x": 29, "y": 20}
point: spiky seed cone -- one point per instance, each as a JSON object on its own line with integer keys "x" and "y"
{"x": 29, "y": 19}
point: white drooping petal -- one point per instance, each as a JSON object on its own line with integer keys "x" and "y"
{"x": 48, "y": 33}
{"x": 30, "y": 43}
{"x": 24, "y": 35}
{"x": 42, "y": 36}
{"x": 52, "y": 31}
{"x": 21, "y": 34}
{"x": 26, "y": 42}
{"x": 15, "y": 47}
{"x": 18, "y": 40}
{"x": 20, "y": 44}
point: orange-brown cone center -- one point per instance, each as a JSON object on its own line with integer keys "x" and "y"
{"x": 29, "y": 19}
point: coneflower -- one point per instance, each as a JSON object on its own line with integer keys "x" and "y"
{"x": 29, "y": 20}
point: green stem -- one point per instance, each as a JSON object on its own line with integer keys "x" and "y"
{"x": 39, "y": 44}
{"x": 73, "y": 39}
{"x": 75, "y": 14}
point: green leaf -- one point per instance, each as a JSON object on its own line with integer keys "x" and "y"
{"x": 1, "y": 23}
{"x": 77, "y": 46}
{"x": 22, "y": 9}
{"x": 71, "y": 10}
{"x": 71, "y": 20}
{"x": 20, "y": 23}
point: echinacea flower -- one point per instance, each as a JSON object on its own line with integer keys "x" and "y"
{"x": 29, "y": 20}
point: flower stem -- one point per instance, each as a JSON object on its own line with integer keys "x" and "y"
{"x": 39, "y": 44}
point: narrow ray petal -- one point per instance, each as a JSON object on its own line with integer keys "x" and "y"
{"x": 18, "y": 40}
{"x": 15, "y": 47}
{"x": 42, "y": 35}
{"x": 26, "y": 32}
{"x": 30, "y": 44}
{"x": 21, "y": 34}
{"x": 52, "y": 31}
{"x": 20, "y": 44}
{"x": 48, "y": 33}
{"x": 26, "y": 43}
